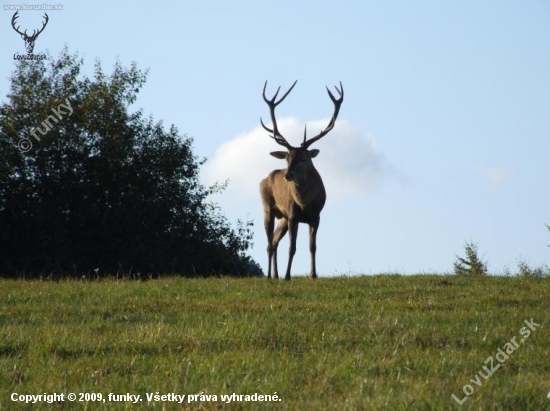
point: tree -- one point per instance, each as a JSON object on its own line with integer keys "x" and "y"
{"x": 87, "y": 184}
{"x": 472, "y": 264}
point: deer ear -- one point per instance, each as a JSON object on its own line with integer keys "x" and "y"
{"x": 313, "y": 153}
{"x": 279, "y": 154}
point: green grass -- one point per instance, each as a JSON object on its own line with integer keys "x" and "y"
{"x": 384, "y": 342}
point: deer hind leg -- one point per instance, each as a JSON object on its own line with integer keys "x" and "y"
{"x": 282, "y": 228}
{"x": 269, "y": 221}
{"x": 313, "y": 246}
{"x": 292, "y": 233}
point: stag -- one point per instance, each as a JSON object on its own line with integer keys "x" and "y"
{"x": 29, "y": 40}
{"x": 296, "y": 194}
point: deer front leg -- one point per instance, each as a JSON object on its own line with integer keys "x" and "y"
{"x": 282, "y": 228}
{"x": 292, "y": 233}
{"x": 269, "y": 221}
{"x": 313, "y": 245}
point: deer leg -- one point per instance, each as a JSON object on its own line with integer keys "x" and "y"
{"x": 313, "y": 245}
{"x": 292, "y": 234}
{"x": 269, "y": 221}
{"x": 282, "y": 228}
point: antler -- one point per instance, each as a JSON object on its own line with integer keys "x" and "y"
{"x": 15, "y": 16}
{"x": 43, "y": 27}
{"x": 330, "y": 126}
{"x": 34, "y": 33}
{"x": 276, "y": 135}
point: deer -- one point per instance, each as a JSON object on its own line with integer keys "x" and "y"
{"x": 296, "y": 194}
{"x": 29, "y": 40}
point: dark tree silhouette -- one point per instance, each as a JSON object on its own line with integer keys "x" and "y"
{"x": 102, "y": 187}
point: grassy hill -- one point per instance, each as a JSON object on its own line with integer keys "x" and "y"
{"x": 350, "y": 343}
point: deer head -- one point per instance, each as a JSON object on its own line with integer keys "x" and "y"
{"x": 298, "y": 158}
{"x": 29, "y": 40}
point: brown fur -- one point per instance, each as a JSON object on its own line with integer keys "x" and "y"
{"x": 297, "y": 201}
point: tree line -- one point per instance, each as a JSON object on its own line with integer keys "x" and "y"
{"x": 88, "y": 187}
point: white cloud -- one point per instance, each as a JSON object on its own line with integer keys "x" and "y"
{"x": 349, "y": 162}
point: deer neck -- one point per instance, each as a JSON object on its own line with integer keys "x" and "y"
{"x": 306, "y": 187}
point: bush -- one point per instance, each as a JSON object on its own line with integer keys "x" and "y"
{"x": 524, "y": 270}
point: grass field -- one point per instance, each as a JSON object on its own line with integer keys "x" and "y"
{"x": 385, "y": 342}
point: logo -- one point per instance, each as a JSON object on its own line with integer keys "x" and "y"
{"x": 29, "y": 40}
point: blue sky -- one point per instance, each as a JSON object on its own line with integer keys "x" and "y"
{"x": 443, "y": 137}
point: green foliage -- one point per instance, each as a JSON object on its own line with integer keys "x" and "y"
{"x": 472, "y": 264}
{"x": 104, "y": 188}
{"x": 384, "y": 342}
{"x": 526, "y": 270}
